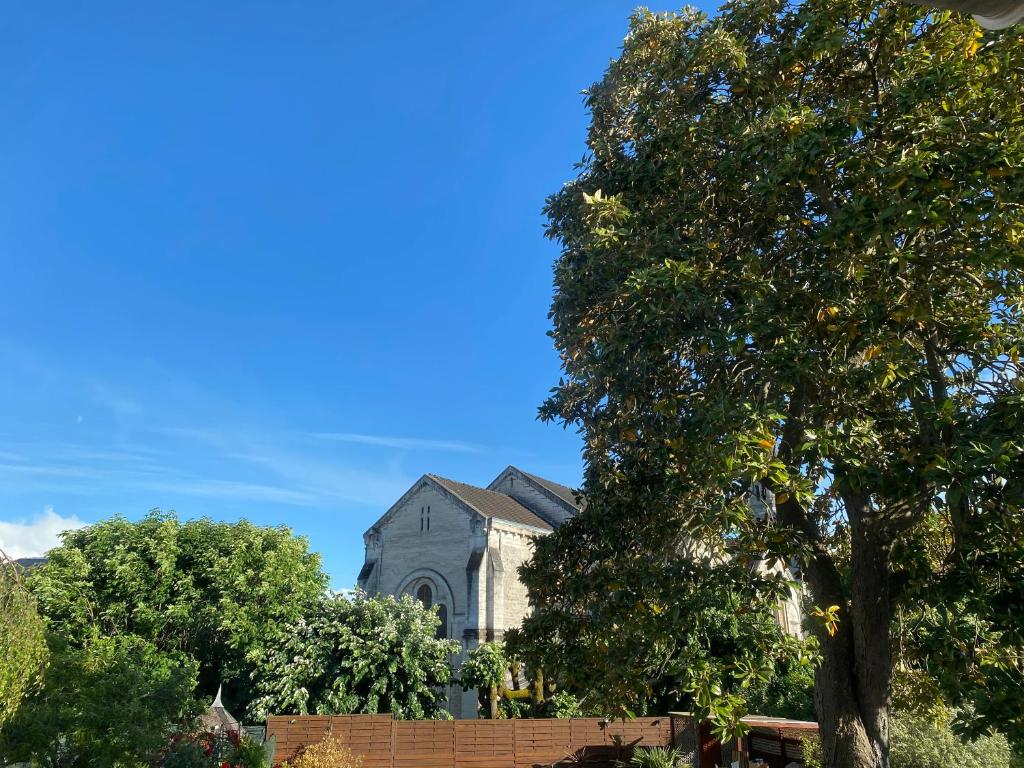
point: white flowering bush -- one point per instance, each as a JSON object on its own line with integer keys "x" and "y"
{"x": 356, "y": 655}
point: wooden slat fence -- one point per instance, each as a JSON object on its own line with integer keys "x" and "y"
{"x": 426, "y": 743}
{"x": 387, "y": 743}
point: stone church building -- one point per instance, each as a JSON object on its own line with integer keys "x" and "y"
{"x": 459, "y": 547}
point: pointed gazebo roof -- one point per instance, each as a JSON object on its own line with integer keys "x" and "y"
{"x": 217, "y": 719}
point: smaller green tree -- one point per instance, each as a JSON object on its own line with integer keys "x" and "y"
{"x": 484, "y": 670}
{"x": 354, "y": 655}
{"x": 216, "y": 591}
{"x": 107, "y": 704}
{"x": 634, "y": 628}
{"x": 22, "y": 641}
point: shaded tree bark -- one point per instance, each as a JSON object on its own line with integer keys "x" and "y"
{"x": 852, "y": 684}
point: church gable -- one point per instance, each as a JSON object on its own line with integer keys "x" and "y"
{"x": 554, "y": 502}
{"x": 428, "y": 529}
{"x": 406, "y": 513}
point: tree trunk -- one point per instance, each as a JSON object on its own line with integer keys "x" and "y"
{"x": 852, "y": 684}
{"x": 850, "y": 736}
{"x": 538, "y": 692}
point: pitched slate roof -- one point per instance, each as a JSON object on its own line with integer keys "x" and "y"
{"x": 564, "y": 492}
{"x": 492, "y": 504}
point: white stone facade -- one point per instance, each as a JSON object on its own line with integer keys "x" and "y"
{"x": 460, "y": 548}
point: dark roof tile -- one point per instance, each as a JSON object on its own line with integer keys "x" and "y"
{"x": 563, "y": 492}
{"x": 492, "y": 504}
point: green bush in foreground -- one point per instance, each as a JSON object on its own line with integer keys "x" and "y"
{"x": 917, "y": 741}
{"x": 109, "y": 704}
{"x": 656, "y": 757}
{"x": 22, "y": 641}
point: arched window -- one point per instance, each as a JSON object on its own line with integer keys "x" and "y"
{"x": 425, "y": 596}
{"x": 442, "y": 628}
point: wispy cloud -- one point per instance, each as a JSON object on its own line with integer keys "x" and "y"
{"x": 401, "y": 443}
{"x": 180, "y": 441}
{"x": 35, "y": 538}
{"x": 228, "y": 489}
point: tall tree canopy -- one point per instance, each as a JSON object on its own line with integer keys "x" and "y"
{"x": 358, "y": 655}
{"x": 216, "y": 591}
{"x": 793, "y": 256}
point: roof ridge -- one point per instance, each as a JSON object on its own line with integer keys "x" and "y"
{"x": 564, "y": 492}
{"x": 547, "y": 480}
{"x": 470, "y": 485}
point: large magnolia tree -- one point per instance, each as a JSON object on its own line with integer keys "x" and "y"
{"x": 793, "y": 256}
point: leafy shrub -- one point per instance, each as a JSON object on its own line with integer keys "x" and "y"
{"x": 22, "y": 641}
{"x": 249, "y": 753}
{"x": 564, "y": 705}
{"x": 513, "y": 709}
{"x": 188, "y": 750}
{"x": 919, "y": 742}
{"x": 655, "y": 757}
{"x": 111, "y": 702}
{"x": 787, "y": 692}
{"x": 358, "y": 655}
{"x": 329, "y": 753}
{"x": 812, "y": 751}
{"x": 204, "y": 750}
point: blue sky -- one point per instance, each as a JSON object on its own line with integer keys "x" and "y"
{"x": 278, "y": 260}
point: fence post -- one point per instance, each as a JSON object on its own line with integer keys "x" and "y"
{"x": 394, "y": 740}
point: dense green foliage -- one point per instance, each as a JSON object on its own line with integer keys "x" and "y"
{"x": 484, "y": 666}
{"x": 187, "y": 752}
{"x": 919, "y": 742}
{"x": 647, "y": 630}
{"x": 215, "y": 591}
{"x": 562, "y": 704}
{"x": 359, "y": 655}
{"x": 787, "y": 692}
{"x": 924, "y": 742}
{"x": 22, "y": 641}
{"x": 202, "y": 749}
{"x": 108, "y": 702}
{"x": 794, "y": 257}
{"x": 489, "y": 666}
